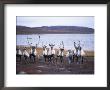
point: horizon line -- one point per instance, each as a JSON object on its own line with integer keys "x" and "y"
{"x": 53, "y": 25}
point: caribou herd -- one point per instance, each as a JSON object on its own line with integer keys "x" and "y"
{"x": 51, "y": 55}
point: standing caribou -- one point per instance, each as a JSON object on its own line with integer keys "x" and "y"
{"x": 18, "y": 53}
{"x": 48, "y": 53}
{"x": 69, "y": 56}
{"x": 79, "y": 52}
{"x": 44, "y": 52}
{"x": 51, "y": 52}
{"x": 60, "y": 52}
{"x": 33, "y": 53}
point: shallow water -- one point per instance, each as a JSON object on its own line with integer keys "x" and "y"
{"x": 87, "y": 40}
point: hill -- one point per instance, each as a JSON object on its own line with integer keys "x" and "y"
{"x": 54, "y": 30}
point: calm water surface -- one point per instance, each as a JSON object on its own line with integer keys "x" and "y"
{"x": 87, "y": 40}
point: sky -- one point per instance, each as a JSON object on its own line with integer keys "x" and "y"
{"x": 36, "y": 21}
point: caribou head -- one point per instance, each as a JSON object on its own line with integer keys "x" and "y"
{"x": 51, "y": 45}
{"x": 44, "y": 47}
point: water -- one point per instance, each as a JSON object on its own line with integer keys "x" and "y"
{"x": 87, "y": 40}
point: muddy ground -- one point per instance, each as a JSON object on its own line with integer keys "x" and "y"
{"x": 42, "y": 67}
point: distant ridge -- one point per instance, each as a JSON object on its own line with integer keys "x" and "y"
{"x": 54, "y": 30}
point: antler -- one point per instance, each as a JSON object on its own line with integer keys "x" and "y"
{"x": 42, "y": 44}
{"x": 28, "y": 41}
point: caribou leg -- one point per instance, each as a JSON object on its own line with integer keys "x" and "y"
{"x": 53, "y": 58}
{"x": 20, "y": 58}
{"x": 73, "y": 58}
{"x": 31, "y": 55}
{"x": 49, "y": 58}
{"x": 82, "y": 59}
{"x": 77, "y": 58}
{"x": 45, "y": 57}
{"x": 30, "y": 58}
{"x": 61, "y": 58}
{"x": 25, "y": 59}
{"x": 34, "y": 58}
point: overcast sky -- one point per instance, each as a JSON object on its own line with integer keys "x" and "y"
{"x": 55, "y": 21}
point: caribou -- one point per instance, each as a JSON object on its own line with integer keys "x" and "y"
{"x": 25, "y": 54}
{"x": 51, "y": 52}
{"x": 30, "y": 54}
{"x": 79, "y": 52}
{"x": 60, "y": 52}
{"x": 45, "y": 52}
{"x": 48, "y": 53}
{"x": 69, "y": 56}
{"x": 18, "y": 54}
{"x": 33, "y": 53}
